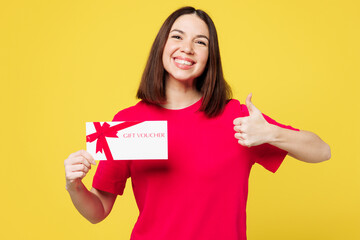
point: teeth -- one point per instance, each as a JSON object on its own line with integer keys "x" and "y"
{"x": 183, "y": 62}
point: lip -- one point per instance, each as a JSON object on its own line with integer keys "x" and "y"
{"x": 186, "y": 59}
{"x": 183, "y": 66}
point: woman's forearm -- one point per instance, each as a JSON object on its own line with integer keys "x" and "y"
{"x": 87, "y": 203}
{"x": 302, "y": 145}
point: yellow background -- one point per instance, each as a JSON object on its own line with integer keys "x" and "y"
{"x": 67, "y": 62}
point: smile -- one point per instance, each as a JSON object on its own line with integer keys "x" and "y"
{"x": 184, "y": 62}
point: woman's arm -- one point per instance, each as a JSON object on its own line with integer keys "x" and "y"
{"x": 302, "y": 145}
{"x": 94, "y": 205}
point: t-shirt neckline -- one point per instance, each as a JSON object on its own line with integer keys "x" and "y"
{"x": 193, "y": 107}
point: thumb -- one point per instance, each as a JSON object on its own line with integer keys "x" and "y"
{"x": 251, "y": 107}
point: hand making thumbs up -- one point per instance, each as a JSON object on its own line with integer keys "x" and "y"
{"x": 252, "y": 130}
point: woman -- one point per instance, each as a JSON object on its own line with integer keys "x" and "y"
{"x": 200, "y": 192}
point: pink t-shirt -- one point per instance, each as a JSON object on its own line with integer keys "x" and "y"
{"x": 200, "y": 192}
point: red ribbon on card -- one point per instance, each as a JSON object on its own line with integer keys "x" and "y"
{"x": 106, "y": 131}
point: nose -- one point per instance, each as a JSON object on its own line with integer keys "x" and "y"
{"x": 187, "y": 47}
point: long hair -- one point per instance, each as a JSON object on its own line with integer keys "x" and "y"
{"x": 212, "y": 85}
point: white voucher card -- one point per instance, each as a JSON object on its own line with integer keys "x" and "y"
{"x": 128, "y": 140}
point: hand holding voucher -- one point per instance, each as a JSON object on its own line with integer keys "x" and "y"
{"x": 252, "y": 130}
{"x": 77, "y": 165}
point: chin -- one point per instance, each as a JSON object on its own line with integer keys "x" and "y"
{"x": 184, "y": 79}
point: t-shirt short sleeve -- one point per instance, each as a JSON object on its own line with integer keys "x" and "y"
{"x": 267, "y": 155}
{"x": 111, "y": 176}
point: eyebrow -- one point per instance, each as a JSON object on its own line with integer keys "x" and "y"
{"x": 182, "y": 32}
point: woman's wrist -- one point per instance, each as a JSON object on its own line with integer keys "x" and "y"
{"x": 274, "y": 134}
{"x": 74, "y": 185}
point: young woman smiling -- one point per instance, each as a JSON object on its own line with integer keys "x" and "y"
{"x": 200, "y": 192}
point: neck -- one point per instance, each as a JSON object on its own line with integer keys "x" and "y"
{"x": 180, "y": 94}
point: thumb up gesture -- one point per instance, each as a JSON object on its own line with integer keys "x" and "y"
{"x": 252, "y": 130}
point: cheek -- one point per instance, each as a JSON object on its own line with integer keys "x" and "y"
{"x": 164, "y": 52}
{"x": 165, "y": 55}
{"x": 169, "y": 48}
{"x": 204, "y": 57}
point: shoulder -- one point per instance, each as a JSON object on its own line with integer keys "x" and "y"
{"x": 133, "y": 113}
{"x": 234, "y": 107}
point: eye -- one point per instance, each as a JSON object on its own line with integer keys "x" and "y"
{"x": 176, "y": 36}
{"x": 201, "y": 42}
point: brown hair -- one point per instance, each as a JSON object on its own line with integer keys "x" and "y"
{"x": 215, "y": 91}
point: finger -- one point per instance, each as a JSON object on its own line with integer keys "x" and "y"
{"x": 239, "y": 120}
{"x": 237, "y": 128}
{"x": 243, "y": 142}
{"x": 76, "y": 168}
{"x": 75, "y": 154}
{"x": 240, "y": 129}
{"x": 79, "y": 160}
{"x": 79, "y": 168}
{"x": 239, "y": 136}
{"x": 249, "y": 104}
{"x": 88, "y": 156}
{"x": 248, "y": 99}
{"x": 85, "y": 154}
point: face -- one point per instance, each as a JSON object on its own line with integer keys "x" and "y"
{"x": 187, "y": 48}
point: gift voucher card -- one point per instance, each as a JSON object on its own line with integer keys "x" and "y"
{"x": 127, "y": 140}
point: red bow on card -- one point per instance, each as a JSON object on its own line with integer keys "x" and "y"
{"x": 106, "y": 131}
